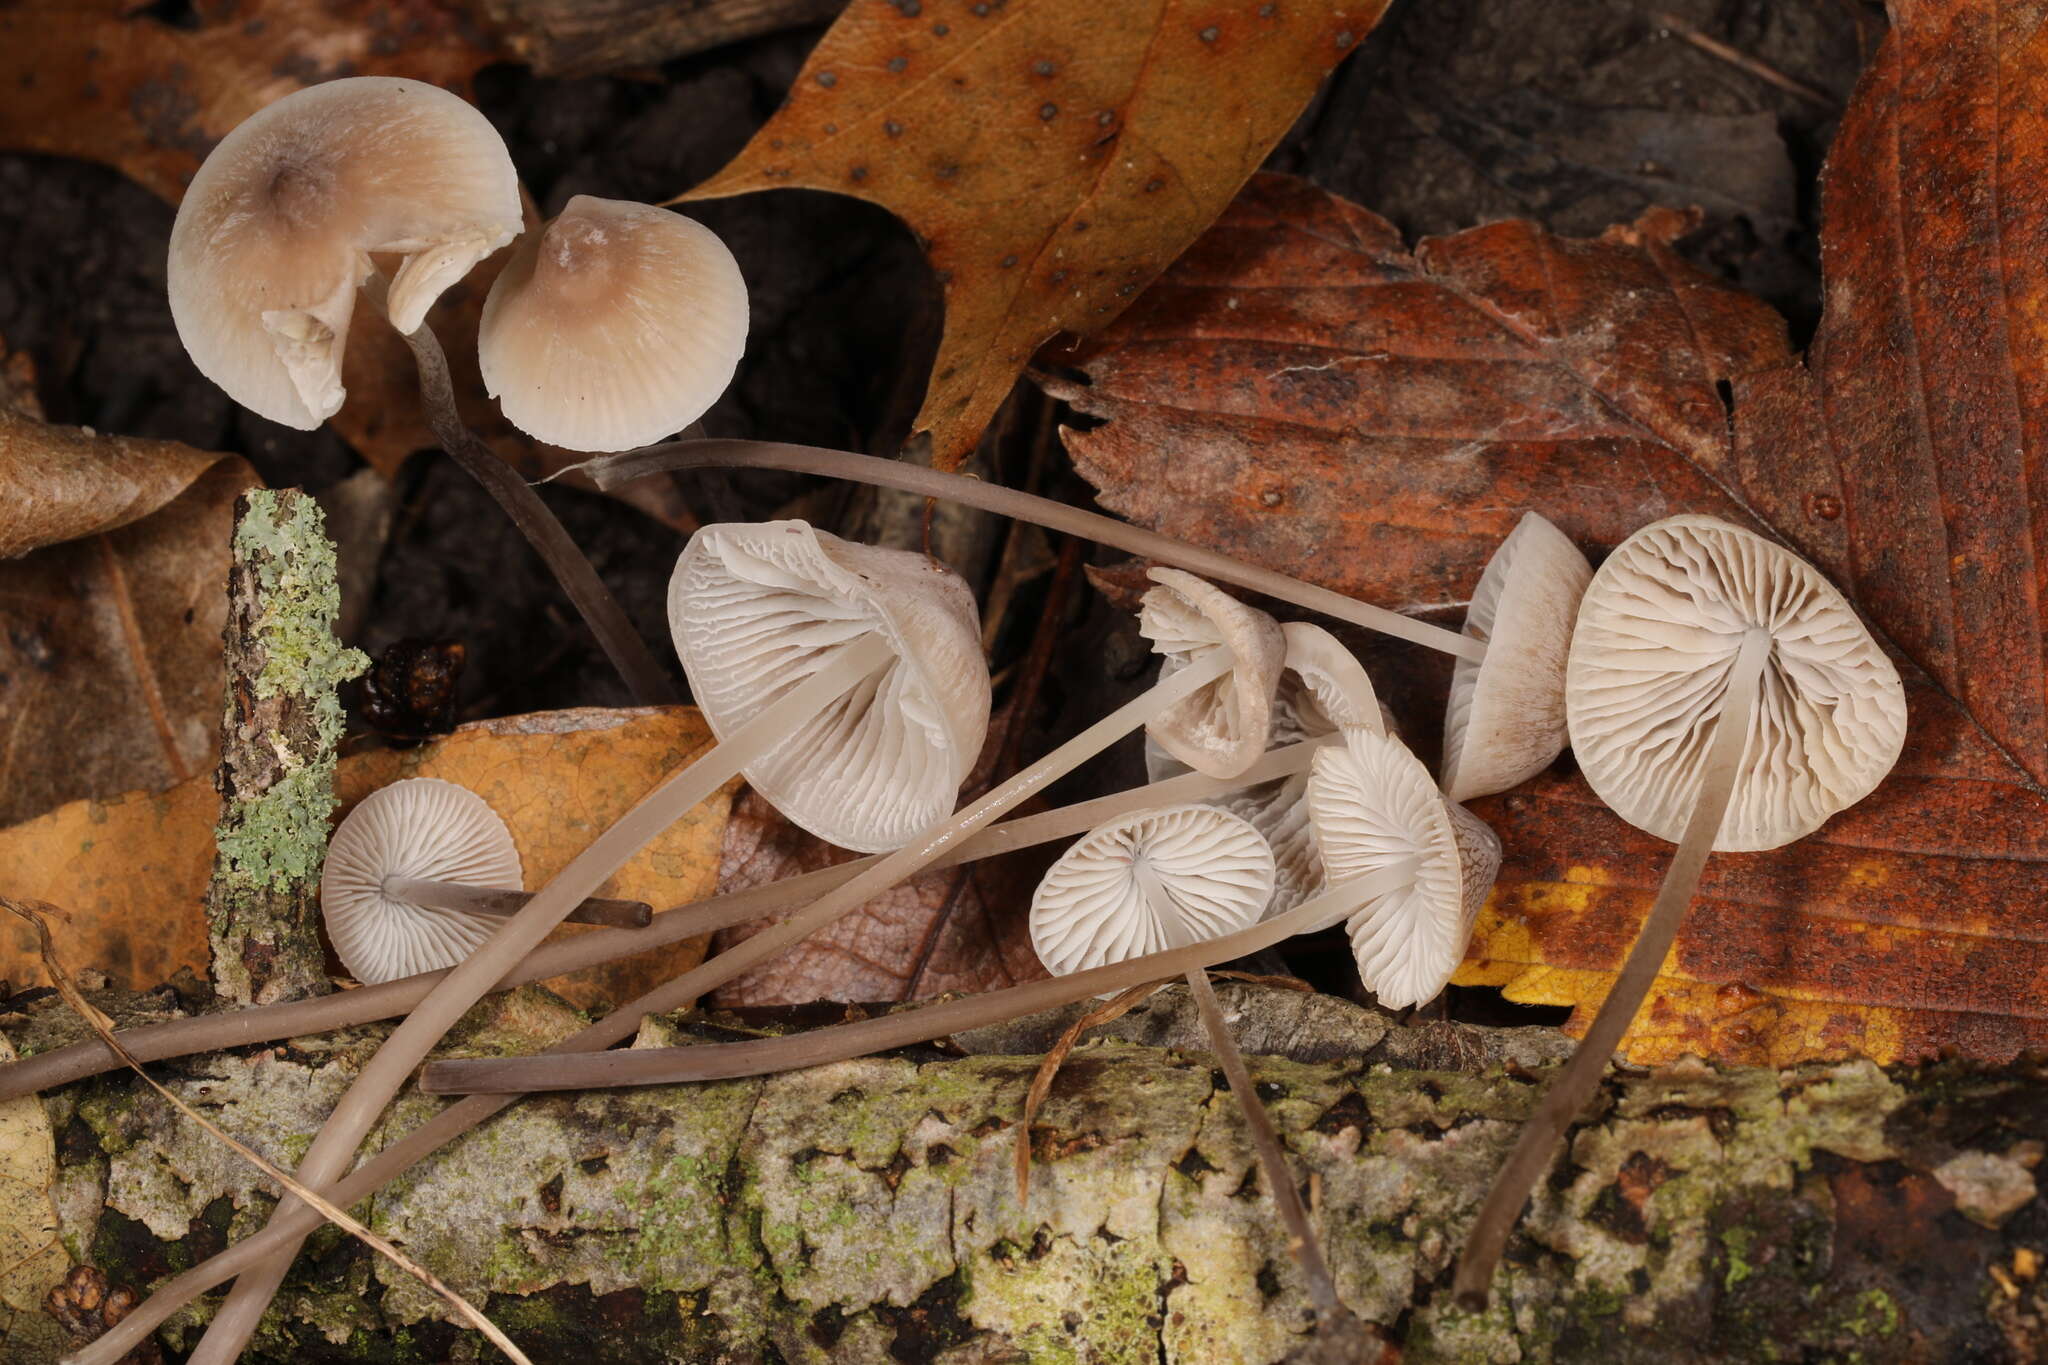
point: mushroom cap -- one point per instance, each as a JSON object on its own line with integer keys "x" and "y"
{"x": 275, "y": 234}
{"x": 613, "y": 326}
{"x": 1506, "y": 722}
{"x": 420, "y": 828}
{"x": 759, "y": 607}
{"x": 1656, "y": 636}
{"x": 1222, "y": 729}
{"x": 1371, "y": 803}
{"x": 1322, "y": 681}
{"x": 1213, "y": 870}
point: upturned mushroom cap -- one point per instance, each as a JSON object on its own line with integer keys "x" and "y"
{"x": 613, "y": 326}
{"x": 423, "y": 829}
{"x": 1506, "y": 721}
{"x": 1222, "y": 729}
{"x": 1147, "y": 882}
{"x": 275, "y": 234}
{"x": 758, "y": 607}
{"x": 1656, "y": 636}
{"x": 1372, "y": 803}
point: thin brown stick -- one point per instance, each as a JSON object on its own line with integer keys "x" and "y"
{"x": 1049, "y": 1068}
{"x": 38, "y": 914}
{"x": 1568, "y": 1094}
{"x": 1736, "y": 57}
{"x": 646, "y": 679}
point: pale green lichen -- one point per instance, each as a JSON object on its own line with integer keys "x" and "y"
{"x": 277, "y": 839}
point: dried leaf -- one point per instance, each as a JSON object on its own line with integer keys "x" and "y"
{"x": 962, "y": 928}
{"x": 1303, "y": 391}
{"x": 133, "y": 870}
{"x": 110, "y": 619}
{"x": 31, "y": 1257}
{"x": 1051, "y": 155}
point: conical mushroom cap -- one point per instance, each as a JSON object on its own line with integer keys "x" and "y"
{"x": 1372, "y": 803}
{"x": 758, "y": 607}
{"x": 1506, "y": 722}
{"x": 424, "y": 829}
{"x": 613, "y": 326}
{"x": 1321, "y": 682}
{"x": 275, "y": 234}
{"x": 1656, "y": 636}
{"x": 1222, "y": 729}
{"x": 1148, "y": 882}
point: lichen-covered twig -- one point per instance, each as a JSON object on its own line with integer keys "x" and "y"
{"x": 279, "y": 729}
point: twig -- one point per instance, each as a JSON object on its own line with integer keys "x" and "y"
{"x": 34, "y": 912}
{"x": 1735, "y": 57}
{"x": 1055, "y": 1057}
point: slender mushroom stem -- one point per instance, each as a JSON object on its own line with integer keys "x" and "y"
{"x": 1301, "y": 1237}
{"x": 1575, "y": 1085}
{"x": 357, "y": 1111}
{"x": 380, "y": 1080}
{"x": 501, "y": 903}
{"x": 720, "y": 1061}
{"x": 343, "y": 1009}
{"x": 649, "y": 683}
{"x": 676, "y": 456}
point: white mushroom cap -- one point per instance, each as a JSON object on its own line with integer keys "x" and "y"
{"x": 758, "y": 607}
{"x": 1147, "y": 882}
{"x": 1222, "y": 729}
{"x": 613, "y": 326}
{"x": 420, "y": 829}
{"x": 275, "y": 234}
{"x": 1505, "y": 722}
{"x": 1323, "y": 681}
{"x": 1656, "y": 636}
{"x": 1372, "y": 803}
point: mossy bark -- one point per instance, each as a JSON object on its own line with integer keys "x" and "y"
{"x": 866, "y": 1212}
{"x": 279, "y": 729}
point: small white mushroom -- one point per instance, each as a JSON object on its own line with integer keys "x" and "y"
{"x": 1506, "y": 718}
{"x": 1223, "y": 727}
{"x": 277, "y": 230}
{"x": 759, "y": 608}
{"x": 1373, "y": 807}
{"x": 613, "y": 326}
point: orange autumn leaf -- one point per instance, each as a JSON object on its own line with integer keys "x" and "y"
{"x": 131, "y": 872}
{"x": 1305, "y": 390}
{"x": 1053, "y": 156}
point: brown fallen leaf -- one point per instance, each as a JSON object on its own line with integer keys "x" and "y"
{"x": 1051, "y": 155}
{"x": 959, "y": 928}
{"x": 111, "y": 609}
{"x": 132, "y": 870}
{"x": 1305, "y": 391}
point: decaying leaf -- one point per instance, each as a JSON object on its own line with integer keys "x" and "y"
{"x": 1304, "y": 391}
{"x": 110, "y": 610}
{"x": 132, "y": 871}
{"x": 1051, "y": 155}
{"x": 31, "y": 1257}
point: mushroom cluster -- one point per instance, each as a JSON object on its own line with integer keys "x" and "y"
{"x": 1716, "y": 690}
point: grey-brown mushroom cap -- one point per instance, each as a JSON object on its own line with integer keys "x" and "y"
{"x": 613, "y": 326}
{"x": 1147, "y": 882}
{"x": 276, "y": 231}
{"x": 1657, "y": 635}
{"x": 1506, "y": 718}
{"x": 421, "y": 828}
{"x": 758, "y": 608}
{"x": 1373, "y": 804}
{"x": 1222, "y": 729}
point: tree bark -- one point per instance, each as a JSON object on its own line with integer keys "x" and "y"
{"x": 866, "y": 1211}
{"x": 278, "y": 734}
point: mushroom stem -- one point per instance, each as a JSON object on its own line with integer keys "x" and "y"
{"x": 502, "y": 903}
{"x": 679, "y": 456}
{"x": 649, "y": 683}
{"x": 1575, "y": 1085}
{"x": 716, "y": 1061}
{"x": 357, "y": 1111}
{"x": 1301, "y": 1237}
{"x": 343, "y": 1009}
